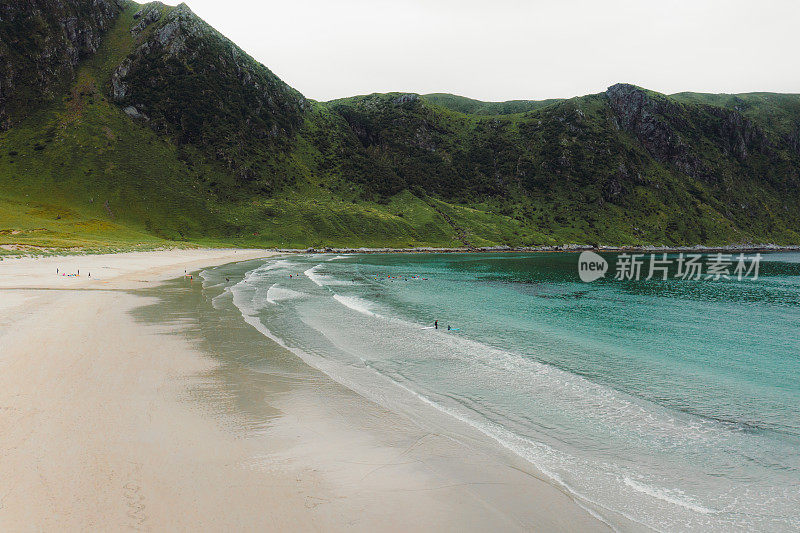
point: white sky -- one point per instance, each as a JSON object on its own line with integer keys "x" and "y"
{"x": 512, "y": 49}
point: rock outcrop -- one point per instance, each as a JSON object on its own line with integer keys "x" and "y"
{"x": 656, "y": 122}
{"x": 738, "y": 136}
{"x": 41, "y": 44}
{"x": 199, "y": 88}
{"x": 146, "y": 16}
{"x": 669, "y": 130}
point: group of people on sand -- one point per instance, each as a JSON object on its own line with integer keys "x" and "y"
{"x": 62, "y": 273}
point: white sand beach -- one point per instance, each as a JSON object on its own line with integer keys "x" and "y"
{"x": 98, "y": 431}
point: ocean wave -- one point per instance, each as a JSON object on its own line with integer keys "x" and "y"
{"x": 673, "y": 496}
{"x": 356, "y": 304}
{"x": 277, "y": 294}
{"x": 311, "y": 274}
{"x": 217, "y": 301}
{"x": 324, "y": 280}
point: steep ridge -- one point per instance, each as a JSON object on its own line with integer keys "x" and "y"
{"x": 194, "y": 85}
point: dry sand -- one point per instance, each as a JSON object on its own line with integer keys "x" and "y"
{"x": 98, "y": 430}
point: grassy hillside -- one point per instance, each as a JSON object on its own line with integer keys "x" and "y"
{"x": 569, "y": 170}
{"x": 469, "y": 106}
{"x": 80, "y": 172}
{"x": 168, "y": 133}
{"x": 777, "y": 112}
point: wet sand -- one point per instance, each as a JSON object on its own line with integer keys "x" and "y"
{"x": 128, "y": 402}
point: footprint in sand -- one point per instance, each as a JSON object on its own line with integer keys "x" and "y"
{"x": 135, "y": 501}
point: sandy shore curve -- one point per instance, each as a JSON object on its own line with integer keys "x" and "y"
{"x": 98, "y": 431}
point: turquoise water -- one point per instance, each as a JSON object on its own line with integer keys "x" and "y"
{"x": 673, "y": 403}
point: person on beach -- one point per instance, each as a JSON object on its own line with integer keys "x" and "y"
{"x": 435, "y": 324}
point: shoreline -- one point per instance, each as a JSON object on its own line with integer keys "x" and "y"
{"x": 566, "y": 248}
{"x": 732, "y": 248}
{"x": 109, "y": 420}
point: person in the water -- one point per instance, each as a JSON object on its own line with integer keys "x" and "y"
{"x": 435, "y": 324}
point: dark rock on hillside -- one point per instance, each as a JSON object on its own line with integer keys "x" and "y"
{"x": 793, "y": 140}
{"x": 643, "y": 113}
{"x": 670, "y": 130}
{"x": 738, "y": 135}
{"x": 41, "y": 43}
{"x": 146, "y": 16}
{"x": 406, "y": 99}
{"x": 199, "y": 88}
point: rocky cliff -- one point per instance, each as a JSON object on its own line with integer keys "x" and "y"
{"x": 667, "y": 129}
{"x": 189, "y": 82}
{"x": 41, "y": 44}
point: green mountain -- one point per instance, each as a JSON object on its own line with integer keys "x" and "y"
{"x": 125, "y": 124}
{"x": 476, "y": 107}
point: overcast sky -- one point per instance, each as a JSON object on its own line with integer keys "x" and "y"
{"x": 507, "y": 49}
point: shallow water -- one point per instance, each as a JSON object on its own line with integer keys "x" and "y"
{"x": 673, "y": 403}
